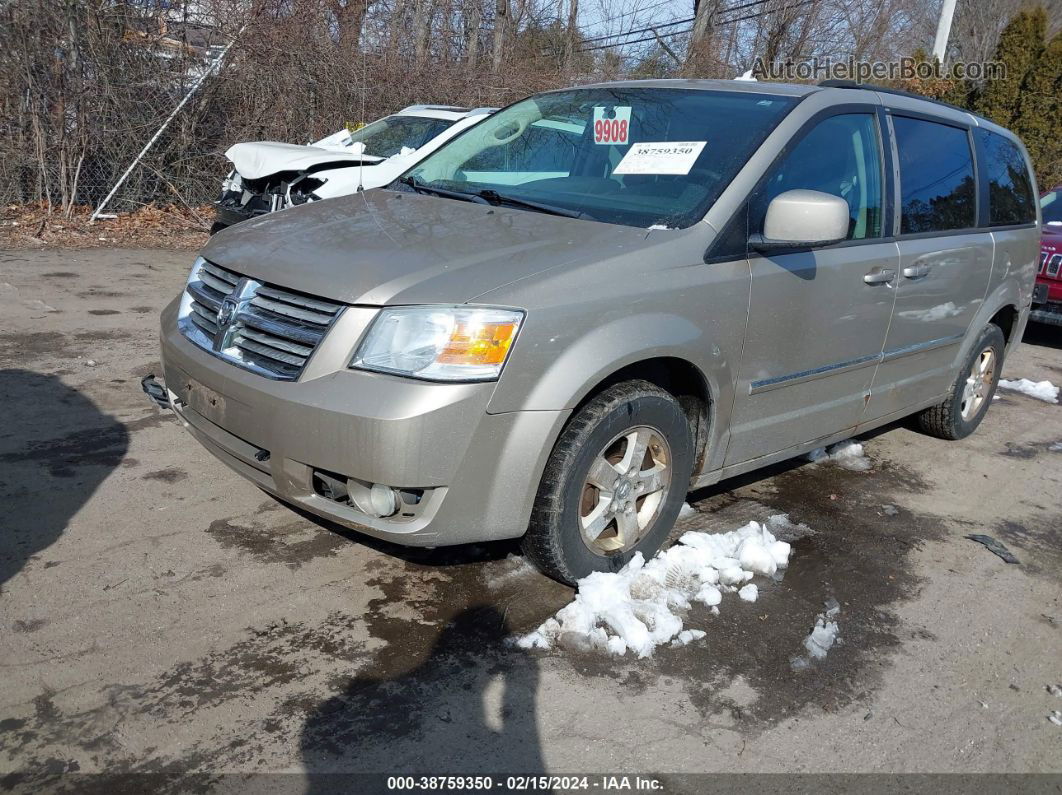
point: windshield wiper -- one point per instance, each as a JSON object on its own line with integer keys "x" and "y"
{"x": 494, "y": 197}
{"x": 420, "y": 187}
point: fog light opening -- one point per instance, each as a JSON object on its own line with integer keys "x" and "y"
{"x": 383, "y": 500}
{"x": 330, "y": 486}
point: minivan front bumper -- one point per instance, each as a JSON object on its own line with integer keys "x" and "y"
{"x": 476, "y": 474}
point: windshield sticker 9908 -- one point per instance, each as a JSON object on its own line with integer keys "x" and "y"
{"x": 663, "y": 157}
{"x": 612, "y": 125}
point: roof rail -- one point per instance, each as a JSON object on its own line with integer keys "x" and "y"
{"x": 896, "y": 91}
{"x": 451, "y": 108}
{"x": 482, "y": 111}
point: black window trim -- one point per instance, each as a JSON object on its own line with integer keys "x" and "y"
{"x": 744, "y": 210}
{"x": 985, "y": 218}
{"x": 891, "y": 188}
{"x": 971, "y": 145}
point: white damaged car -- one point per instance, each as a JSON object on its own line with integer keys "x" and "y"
{"x": 269, "y": 176}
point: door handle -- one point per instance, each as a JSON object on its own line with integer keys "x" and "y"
{"x": 915, "y": 271}
{"x": 880, "y": 276}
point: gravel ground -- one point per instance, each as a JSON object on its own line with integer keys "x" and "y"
{"x": 160, "y": 615}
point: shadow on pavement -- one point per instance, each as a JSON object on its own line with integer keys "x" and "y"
{"x": 56, "y": 448}
{"x": 1043, "y": 335}
{"x": 468, "y": 706}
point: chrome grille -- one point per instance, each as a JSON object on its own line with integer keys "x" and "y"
{"x": 270, "y": 330}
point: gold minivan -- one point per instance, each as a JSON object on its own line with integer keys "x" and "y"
{"x": 601, "y": 297}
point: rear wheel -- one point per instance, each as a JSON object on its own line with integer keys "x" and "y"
{"x": 614, "y": 483}
{"x": 971, "y": 394}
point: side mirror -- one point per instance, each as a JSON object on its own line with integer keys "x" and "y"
{"x": 803, "y": 219}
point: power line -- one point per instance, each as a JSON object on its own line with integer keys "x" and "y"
{"x": 657, "y": 5}
{"x": 640, "y": 30}
{"x": 721, "y": 23}
{"x": 606, "y": 20}
{"x": 633, "y": 41}
{"x": 765, "y": 13}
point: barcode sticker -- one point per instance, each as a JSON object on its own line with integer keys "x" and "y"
{"x": 663, "y": 157}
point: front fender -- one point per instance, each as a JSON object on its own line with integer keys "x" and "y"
{"x": 572, "y": 372}
{"x": 539, "y": 378}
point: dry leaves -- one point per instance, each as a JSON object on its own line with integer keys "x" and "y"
{"x": 168, "y": 226}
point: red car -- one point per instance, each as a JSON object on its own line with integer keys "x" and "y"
{"x": 1047, "y": 295}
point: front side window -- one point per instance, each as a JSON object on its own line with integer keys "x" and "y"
{"x": 840, "y": 156}
{"x": 387, "y": 137}
{"x": 633, "y": 156}
{"x": 1010, "y": 192}
{"x": 936, "y": 177}
{"x": 1051, "y": 207}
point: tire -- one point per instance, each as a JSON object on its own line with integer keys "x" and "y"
{"x": 569, "y": 509}
{"x": 958, "y": 417}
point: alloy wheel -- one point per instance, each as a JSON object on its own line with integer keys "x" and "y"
{"x": 624, "y": 490}
{"x": 978, "y": 383}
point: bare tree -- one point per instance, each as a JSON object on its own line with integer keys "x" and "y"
{"x": 501, "y": 22}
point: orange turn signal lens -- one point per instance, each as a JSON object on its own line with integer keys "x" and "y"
{"x": 478, "y": 343}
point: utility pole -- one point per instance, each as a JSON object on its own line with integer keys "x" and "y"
{"x": 940, "y": 44}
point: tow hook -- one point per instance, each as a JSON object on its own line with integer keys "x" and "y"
{"x": 156, "y": 391}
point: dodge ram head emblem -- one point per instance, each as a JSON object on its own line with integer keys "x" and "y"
{"x": 227, "y": 311}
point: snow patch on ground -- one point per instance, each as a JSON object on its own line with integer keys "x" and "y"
{"x": 686, "y": 510}
{"x": 823, "y": 636}
{"x": 512, "y": 568}
{"x": 847, "y": 454}
{"x": 1041, "y": 390}
{"x": 640, "y": 607}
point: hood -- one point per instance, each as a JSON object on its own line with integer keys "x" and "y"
{"x": 1052, "y": 236}
{"x": 384, "y": 247}
{"x": 263, "y": 158}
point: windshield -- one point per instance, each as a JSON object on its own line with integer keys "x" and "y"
{"x": 1051, "y": 207}
{"x": 634, "y": 156}
{"x": 388, "y": 136}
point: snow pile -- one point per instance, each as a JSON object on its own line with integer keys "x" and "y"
{"x": 1041, "y": 390}
{"x": 822, "y": 637}
{"x": 846, "y": 454}
{"x": 637, "y": 608}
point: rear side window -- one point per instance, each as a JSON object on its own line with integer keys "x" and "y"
{"x": 1010, "y": 191}
{"x": 936, "y": 177}
{"x": 840, "y": 156}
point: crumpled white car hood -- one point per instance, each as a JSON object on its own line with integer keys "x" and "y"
{"x": 261, "y": 158}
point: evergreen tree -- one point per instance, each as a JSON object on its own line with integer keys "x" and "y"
{"x": 1039, "y": 113}
{"x": 1019, "y": 46}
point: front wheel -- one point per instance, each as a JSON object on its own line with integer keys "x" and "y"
{"x": 614, "y": 483}
{"x": 971, "y": 394}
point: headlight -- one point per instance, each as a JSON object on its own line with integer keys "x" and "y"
{"x": 439, "y": 343}
{"x": 233, "y": 182}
